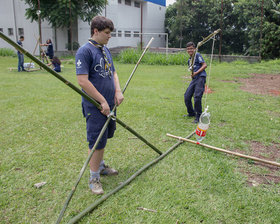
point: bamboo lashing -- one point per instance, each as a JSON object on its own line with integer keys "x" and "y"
{"x": 225, "y": 151}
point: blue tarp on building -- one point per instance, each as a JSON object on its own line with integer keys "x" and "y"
{"x": 159, "y": 2}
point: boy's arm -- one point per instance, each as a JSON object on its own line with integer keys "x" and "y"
{"x": 202, "y": 68}
{"x": 89, "y": 88}
{"x": 118, "y": 94}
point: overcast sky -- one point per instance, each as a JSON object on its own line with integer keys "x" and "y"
{"x": 168, "y": 2}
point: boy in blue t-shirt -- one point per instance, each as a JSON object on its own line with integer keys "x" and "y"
{"x": 97, "y": 76}
{"x": 197, "y": 85}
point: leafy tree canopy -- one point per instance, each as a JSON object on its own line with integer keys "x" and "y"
{"x": 188, "y": 20}
{"x": 57, "y": 12}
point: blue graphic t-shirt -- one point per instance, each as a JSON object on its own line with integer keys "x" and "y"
{"x": 197, "y": 65}
{"x": 90, "y": 61}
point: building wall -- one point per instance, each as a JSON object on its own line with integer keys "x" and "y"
{"x": 126, "y": 18}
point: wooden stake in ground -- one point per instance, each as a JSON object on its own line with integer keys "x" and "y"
{"x": 226, "y": 151}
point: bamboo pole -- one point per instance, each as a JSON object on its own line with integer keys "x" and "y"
{"x": 99, "y": 138}
{"x": 130, "y": 77}
{"x": 48, "y": 69}
{"x": 82, "y": 172}
{"x": 200, "y": 44}
{"x": 103, "y": 198}
{"x": 65, "y": 81}
{"x": 226, "y": 151}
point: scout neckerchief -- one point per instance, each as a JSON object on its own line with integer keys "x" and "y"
{"x": 101, "y": 47}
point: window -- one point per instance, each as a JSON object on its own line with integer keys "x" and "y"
{"x": 137, "y": 4}
{"x": 127, "y": 2}
{"x": 1, "y": 30}
{"x": 20, "y": 31}
{"x": 113, "y": 34}
{"x": 119, "y": 33}
{"x": 127, "y": 33}
{"x": 10, "y": 31}
{"x": 136, "y": 33}
{"x": 120, "y": 1}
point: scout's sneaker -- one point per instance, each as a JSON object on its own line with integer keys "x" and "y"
{"x": 108, "y": 171}
{"x": 195, "y": 121}
{"x": 95, "y": 186}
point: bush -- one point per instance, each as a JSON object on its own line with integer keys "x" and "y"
{"x": 7, "y": 52}
{"x": 131, "y": 56}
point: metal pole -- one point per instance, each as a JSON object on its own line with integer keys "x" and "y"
{"x": 226, "y": 151}
{"x": 261, "y": 28}
{"x": 40, "y": 31}
{"x": 221, "y": 27}
{"x": 103, "y": 198}
{"x": 166, "y": 45}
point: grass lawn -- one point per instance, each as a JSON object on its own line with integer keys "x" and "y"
{"x": 43, "y": 138}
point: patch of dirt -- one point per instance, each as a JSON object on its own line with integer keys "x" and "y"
{"x": 265, "y": 173}
{"x": 265, "y": 84}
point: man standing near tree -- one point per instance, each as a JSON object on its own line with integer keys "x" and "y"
{"x": 97, "y": 77}
{"x": 20, "y": 55}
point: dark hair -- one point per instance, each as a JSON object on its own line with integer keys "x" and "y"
{"x": 101, "y": 23}
{"x": 189, "y": 44}
{"x": 56, "y": 60}
{"x": 49, "y": 41}
{"x": 21, "y": 37}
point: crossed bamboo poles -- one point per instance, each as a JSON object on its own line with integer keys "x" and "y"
{"x": 200, "y": 44}
{"x": 95, "y": 103}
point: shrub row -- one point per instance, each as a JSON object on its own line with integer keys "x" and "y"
{"x": 131, "y": 56}
{"x": 7, "y": 52}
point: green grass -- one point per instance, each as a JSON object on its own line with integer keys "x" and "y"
{"x": 43, "y": 139}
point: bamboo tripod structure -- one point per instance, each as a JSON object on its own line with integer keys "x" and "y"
{"x": 226, "y": 151}
{"x": 95, "y": 103}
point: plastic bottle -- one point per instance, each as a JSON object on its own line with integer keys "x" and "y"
{"x": 203, "y": 125}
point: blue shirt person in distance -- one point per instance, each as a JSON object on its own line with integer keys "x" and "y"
{"x": 20, "y": 55}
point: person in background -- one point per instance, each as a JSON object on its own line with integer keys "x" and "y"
{"x": 49, "y": 45}
{"x": 197, "y": 85}
{"x": 97, "y": 76}
{"x": 56, "y": 64}
{"x": 20, "y": 55}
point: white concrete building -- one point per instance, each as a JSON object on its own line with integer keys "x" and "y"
{"x": 130, "y": 17}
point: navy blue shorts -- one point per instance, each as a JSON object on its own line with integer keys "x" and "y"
{"x": 95, "y": 121}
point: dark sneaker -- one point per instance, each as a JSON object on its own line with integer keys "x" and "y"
{"x": 108, "y": 171}
{"x": 195, "y": 121}
{"x": 96, "y": 186}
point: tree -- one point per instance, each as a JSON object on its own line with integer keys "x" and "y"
{"x": 241, "y": 20}
{"x": 62, "y": 13}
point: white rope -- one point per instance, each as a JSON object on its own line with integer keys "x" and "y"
{"x": 209, "y": 73}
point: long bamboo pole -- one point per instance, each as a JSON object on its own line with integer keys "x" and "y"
{"x": 226, "y": 151}
{"x": 103, "y": 198}
{"x": 99, "y": 138}
{"x": 82, "y": 172}
{"x": 204, "y": 40}
{"x": 65, "y": 81}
